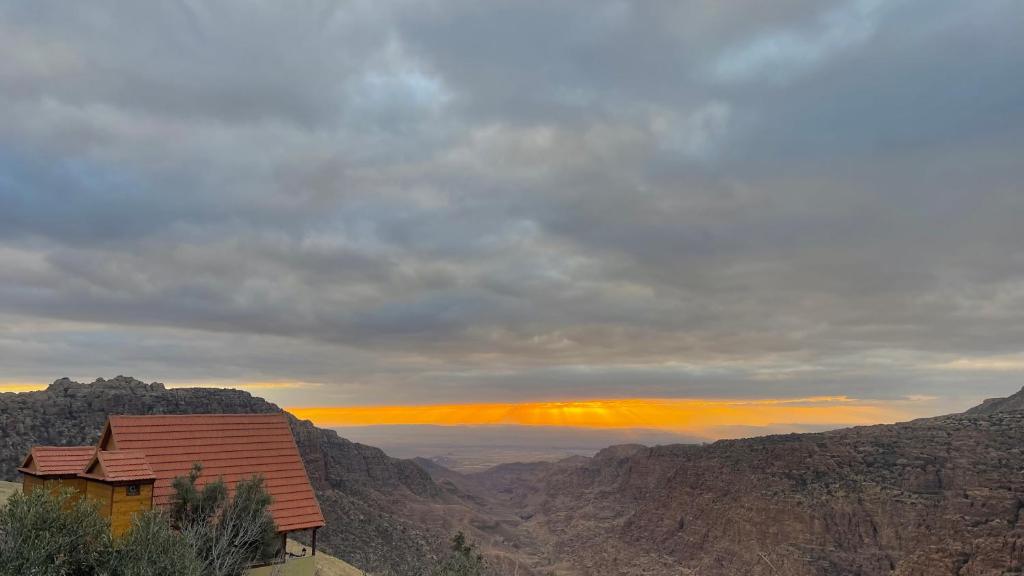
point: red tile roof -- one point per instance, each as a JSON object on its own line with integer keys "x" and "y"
{"x": 120, "y": 466}
{"x": 232, "y": 446}
{"x": 57, "y": 460}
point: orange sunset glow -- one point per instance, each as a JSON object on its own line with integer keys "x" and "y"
{"x": 20, "y": 387}
{"x": 680, "y": 415}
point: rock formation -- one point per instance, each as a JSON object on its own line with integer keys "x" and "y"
{"x": 993, "y": 405}
{"x": 362, "y": 491}
{"x": 933, "y": 497}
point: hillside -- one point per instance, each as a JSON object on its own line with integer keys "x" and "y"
{"x": 993, "y": 405}
{"x": 327, "y": 565}
{"x": 382, "y": 513}
{"x": 8, "y": 488}
{"x": 933, "y": 497}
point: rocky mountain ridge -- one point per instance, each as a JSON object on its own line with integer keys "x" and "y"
{"x": 363, "y": 492}
{"x": 932, "y": 497}
{"x": 993, "y": 405}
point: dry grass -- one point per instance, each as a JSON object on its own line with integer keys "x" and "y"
{"x": 328, "y": 565}
{"x": 8, "y": 488}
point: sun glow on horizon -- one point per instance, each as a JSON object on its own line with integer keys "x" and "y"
{"x": 20, "y": 387}
{"x": 701, "y": 417}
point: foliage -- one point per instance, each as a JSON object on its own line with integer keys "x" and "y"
{"x": 228, "y": 534}
{"x": 205, "y": 533}
{"x": 251, "y": 504}
{"x": 152, "y": 548}
{"x": 52, "y": 534}
{"x": 462, "y": 560}
{"x": 190, "y": 503}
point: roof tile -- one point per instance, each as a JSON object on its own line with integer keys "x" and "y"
{"x": 232, "y": 446}
{"x": 58, "y": 460}
{"x": 121, "y": 466}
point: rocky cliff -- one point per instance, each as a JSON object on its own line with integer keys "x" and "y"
{"x": 993, "y": 405}
{"x": 363, "y": 492}
{"x": 933, "y": 497}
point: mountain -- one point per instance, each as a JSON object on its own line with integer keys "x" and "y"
{"x": 993, "y": 405}
{"x": 933, "y": 497}
{"x": 383, "y": 514}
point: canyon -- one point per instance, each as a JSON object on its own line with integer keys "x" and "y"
{"x": 932, "y": 497}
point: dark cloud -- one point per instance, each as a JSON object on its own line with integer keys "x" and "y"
{"x": 443, "y": 200}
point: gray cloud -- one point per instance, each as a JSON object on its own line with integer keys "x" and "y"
{"x": 442, "y": 201}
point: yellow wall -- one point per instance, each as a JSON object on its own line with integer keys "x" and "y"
{"x": 30, "y": 483}
{"x": 101, "y": 493}
{"x": 54, "y": 485}
{"x": 113, "y": 502}
{"x": 76, "y": 484}
{"x": 125, "y": 506}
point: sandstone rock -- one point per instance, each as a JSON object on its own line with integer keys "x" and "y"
{"x": 937, "y": 497}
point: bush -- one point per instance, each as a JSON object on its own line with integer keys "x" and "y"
{"x": 463, "y": 560}
{"x": 228, "y": 534}
{"x": 191, "y": 504}
{"x": 152, "y": 548}
{"x": 56, "y": 534}
{"x": 205, "y": 533}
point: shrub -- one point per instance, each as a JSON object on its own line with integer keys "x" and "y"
{"x": 227, "y": 534}
{"x": 152, "y": 548}
{"x": 190, "y": 503}
{"x": 462, "y": 560}
{"x": 205, "y": 533}
{"x": 52, "y": 534}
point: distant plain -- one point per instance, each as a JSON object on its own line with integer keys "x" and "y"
{"x": 477, "y": 448}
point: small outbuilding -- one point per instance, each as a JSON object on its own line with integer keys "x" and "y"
{"x": 55, "y": 467}
{"x": 122, "y": 482}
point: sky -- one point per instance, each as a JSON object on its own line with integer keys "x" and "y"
{"x": 381, "y": 203}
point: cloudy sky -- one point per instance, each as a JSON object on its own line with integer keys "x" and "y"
{"x": 385, "y": 202}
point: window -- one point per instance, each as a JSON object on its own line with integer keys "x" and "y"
{"x": 132, "y": 489}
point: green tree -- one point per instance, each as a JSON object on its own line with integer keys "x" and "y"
{"x": 206, "y": 532}
{"x": 462, "y": 560}
{"x": 227, "y": 533}
{"x": 52, "y": 534}
{"x": 190, "y": 503}
{"x": 151, "y": 547}
{"x": 251, "y": 504}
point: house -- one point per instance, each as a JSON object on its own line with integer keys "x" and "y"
{"x": 121, "y": 481}
{"x": 138, "y": 457}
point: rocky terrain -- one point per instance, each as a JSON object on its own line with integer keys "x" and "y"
{"x": 382, "y": 513}
{"x": 933, "y": 497}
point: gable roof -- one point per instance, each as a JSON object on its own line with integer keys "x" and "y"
{"x": 232, "y": 446}
{"x": 57, "y": 460}
{"x": 119, "y": 466}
